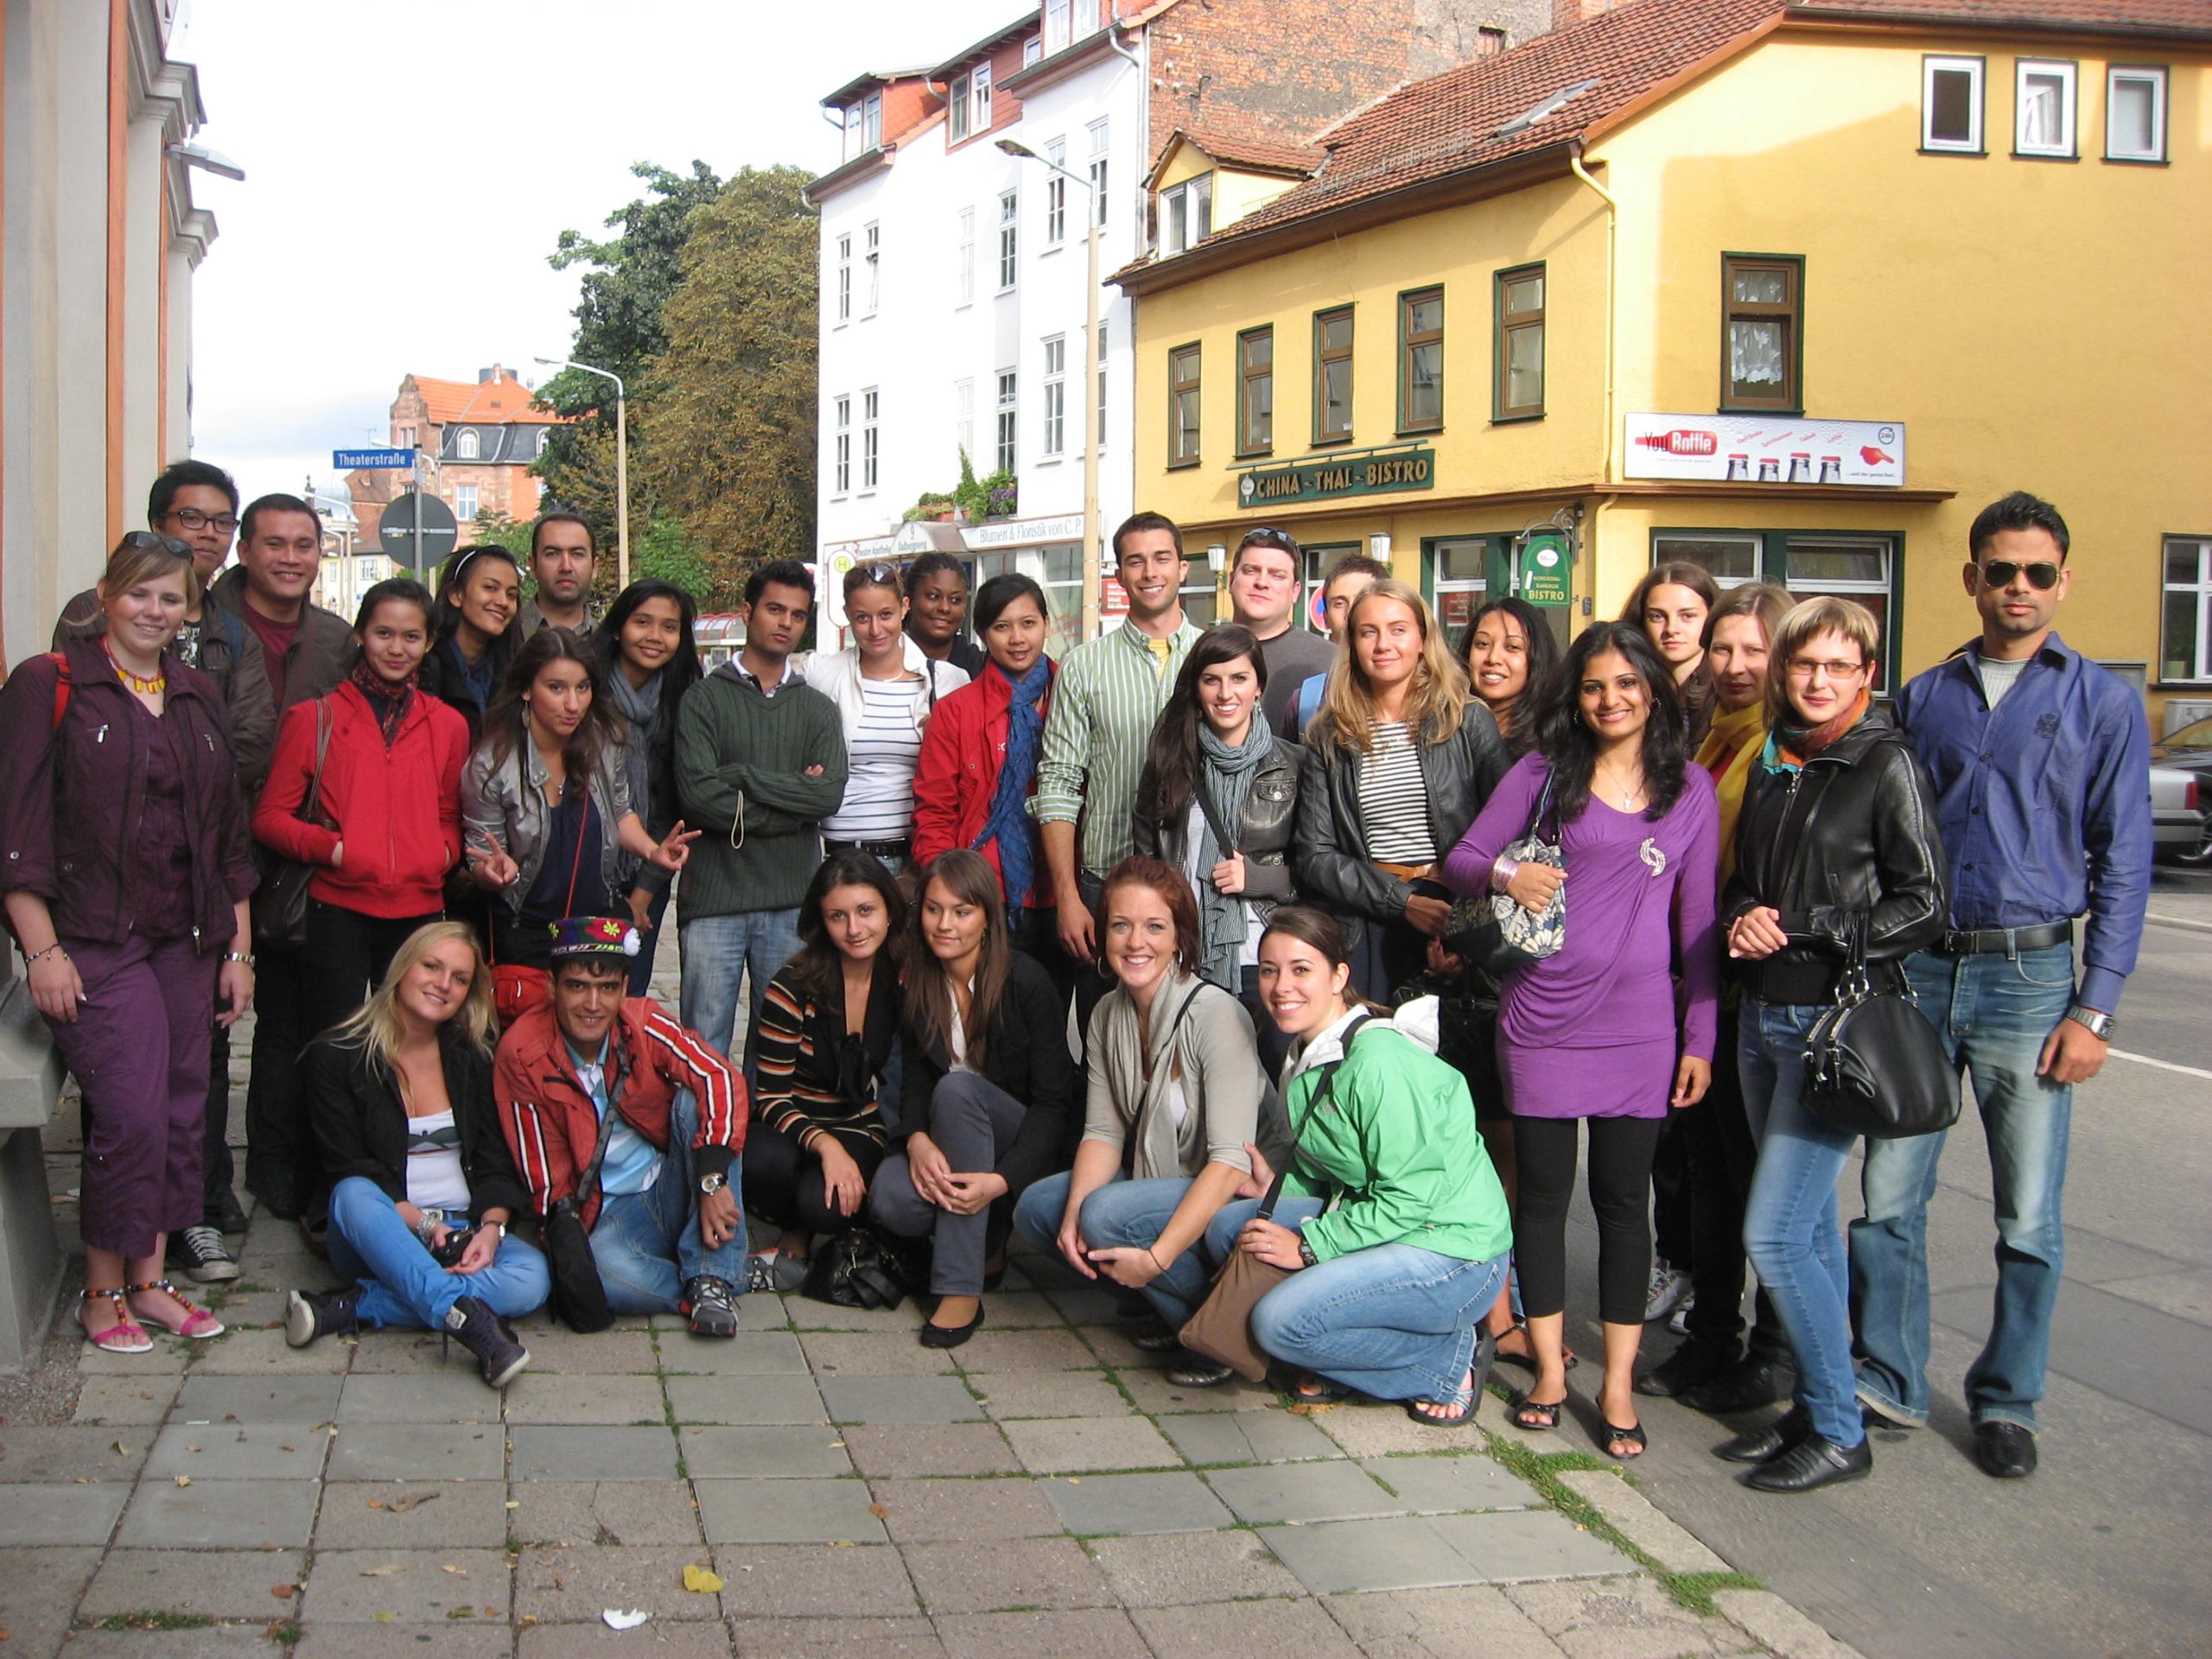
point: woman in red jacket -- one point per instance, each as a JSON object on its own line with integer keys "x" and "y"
{"x": 388, "y": 821}
{"x": 978, "y": 765}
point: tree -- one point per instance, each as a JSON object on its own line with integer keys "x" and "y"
{"x": 513, "y": 534}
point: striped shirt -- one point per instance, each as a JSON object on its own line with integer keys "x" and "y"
{"x": 1394, "y": 799}
{"x": 1105, "y": 700}
{"x": 797, "y": 1090}
{"x": 878, "y": 803}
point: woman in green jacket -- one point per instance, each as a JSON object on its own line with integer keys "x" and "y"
{"x": 1392, "y": 1224}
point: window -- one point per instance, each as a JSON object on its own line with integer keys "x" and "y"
{"x": 1055, "y": 397}
{"x": 955, "y": 110}
{"x": 1730, "y": 560}
{"x": 1009, "y": 239}
{"x": 1421, "y": 360}
{"x": 1457, "y": 579}
{"x": 1950, "y": 105}
{"x": 966, "y": 266}
{"x": 1186, "y": 213}
{"x": 368, "y": 570}
{"x": 980, "y": 120}
{"x": 464, "y": 499}
{"x": 2043, "y": 110}
{"x": 844, "y": 278}
{"x": 2135, "y": 114}
{"x": 1332, "y": 375}
{"x": 1517, "y": 351}
{"x": 468, "y": 447}
{"x": 1057, "y": 24}
{"x": 872, "y": 122}
{"x": 963, "y": 416}
{"x": 2186, "y": 650}
{"x": 1102, "y": 385}
{"x": 407, "y": 437}
{"x": 1861, "y": 568}
{"x": 872, "y": 289}
{"x": 868, "y": 452}
{"x": 1183, "y": 406}
{"x": 1056, "y": 195}
{"x": 1098, "y": 171}
{"x": 544, "y": 437}
{"x": 1761, "y": 331}
{"x": 842, "y": 453}
{"x": 1007, "y": 414}
{"x": 855, "y": 121}
{"x": 1255, "y": 391}
{"x": 1032, "y": 51}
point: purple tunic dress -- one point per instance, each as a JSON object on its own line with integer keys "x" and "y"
{"x": 1594, "y": 1031}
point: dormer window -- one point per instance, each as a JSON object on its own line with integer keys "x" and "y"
{"x": 872, "y": 122}
{"x": 468, "y": 446}
{"x": 956, "y": 113}
{"x": 1057, "y": 24}
{"x": 1186, "y": 213}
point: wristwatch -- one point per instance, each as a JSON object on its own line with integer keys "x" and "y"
{"x": 710, "y": 1184}
{"x": 1306, "y": 1255}
{"x": 2099, "y": 1025}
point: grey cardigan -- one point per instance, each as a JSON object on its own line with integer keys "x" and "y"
{"x": 1210, "y": 1047}
{"x": 504, "y": 805}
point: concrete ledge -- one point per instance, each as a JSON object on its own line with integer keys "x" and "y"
{"x": 30, "y": 1072}
{"x": 30, "y": 1257}
{"x": 1773, "y": 1622}
{"x": 1651, "y": 1532}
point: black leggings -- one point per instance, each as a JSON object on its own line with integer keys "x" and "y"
{"x": 783, "y": 1181}
{"x": 1620, "y": 1187}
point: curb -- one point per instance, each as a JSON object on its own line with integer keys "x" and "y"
{"x": 2182, "y": 923}
{"x": 1767, "y": 1619}
{"x": 1642, "y": 1525}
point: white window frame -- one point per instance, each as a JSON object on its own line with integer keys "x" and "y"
{"x": 1056, "y": 195}
{"x": 980, "y": 87}
{"x": 872, "y": 257}
{"x": 1008, "y": 454}
{"x": 966, "y": 267}
{"x": 1664, "y": 553}
{"x": 2066, "y": 74}
{"x": 870, "y": 407}
{"x": 1974, "y": 70}
{"x": 2154, "y": 77}
{"x": 465, "y": 501}
{"x": 842, "y": 451}
{"x": 1060, "y": 24}
{"x": 1032, "y": 51}
{"x": 844, "y": 279}
{"x": 1100, "y": 135}
{"x": 964, "y": 417}
{"x": 1099, "y": 414}
{"x": 955, "y": 110}
{"x": 856, "y": 123}
{"x": 2201, "y": 653}
{"x": 871, "y": 122}
{"x": 1009, "y": 239}
{"x": 1056, "y": 399}
{"x": 1186, "y": 213}
{"x": 468, "y": 446}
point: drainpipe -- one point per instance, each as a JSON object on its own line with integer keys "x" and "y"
{"x": 1612, "y": 417}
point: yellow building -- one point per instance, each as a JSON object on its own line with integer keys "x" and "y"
{"x": 1790, "y": 289}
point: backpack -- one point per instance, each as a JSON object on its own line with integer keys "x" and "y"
{"x": 63, "y": 684}
{"x": 1309, "y": 700}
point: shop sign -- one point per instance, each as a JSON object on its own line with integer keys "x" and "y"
{"x": 1766, "y": 449}
{"x": 837, "y": 558}
{"x": 1545, "y": 562}
{"x": 1330, "y": 478}
{"x": 1022, "y": 532}
{"x": 1113, "y": 598}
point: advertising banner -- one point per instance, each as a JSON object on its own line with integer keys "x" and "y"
{"x": 1766, "y": 449}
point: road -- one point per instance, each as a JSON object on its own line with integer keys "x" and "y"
{"x": 2104, "y": 1551}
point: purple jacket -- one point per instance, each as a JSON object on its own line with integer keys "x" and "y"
{"x": 71, "y": 799}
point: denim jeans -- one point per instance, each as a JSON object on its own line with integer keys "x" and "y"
{"x": 647, "y": 1244}
{"x": 1393, "y": 1321}
{"x": 402, "y": 1285}
{"x": 720, "y": 950}
{"x": 1790, "y": 1228}
{"x": 1993, "y": 1013}
{"x": 1123, "y": 1214}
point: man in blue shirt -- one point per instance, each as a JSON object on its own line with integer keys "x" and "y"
{"x": 2041, "y": 762}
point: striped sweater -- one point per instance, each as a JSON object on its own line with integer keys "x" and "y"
{"x": 814, "y": 1077}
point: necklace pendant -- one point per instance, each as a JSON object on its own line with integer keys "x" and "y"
{"x": 1651, "y": 855}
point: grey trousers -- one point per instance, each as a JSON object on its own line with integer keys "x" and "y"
{"x": 973, "y": 1122}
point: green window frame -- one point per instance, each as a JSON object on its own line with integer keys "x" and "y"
{"x": 1519, "y": 303}
{"x": 1866, "y": 565}
{"x": 1332, "y": 376}
{"x": 1763, "y": 334}
{"x": 1183, "y": 367}
{"x": 1420, "y": 359}
{"x": 1255, "y": 391}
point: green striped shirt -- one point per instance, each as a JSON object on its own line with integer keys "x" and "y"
{"x": 1105, "y": 699}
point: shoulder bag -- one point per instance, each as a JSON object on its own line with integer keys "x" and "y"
{"x": 1525, "y": 935}
{"x": 280, "y": 908}
{"x": 1874, "y": 1064}
{"x": 579, "y": 1297}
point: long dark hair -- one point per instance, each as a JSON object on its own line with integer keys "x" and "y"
{"x": 1172, "y": 764}
{"x": 506, "y": 723}
{"x": 445, "y": 621}
{"x": 1518, "y": 727}
{"x": 1675, "y": 572}
{"x": 816, "y": 967}
{"x": 677, "y": 674}
{"x": 928, "y": 998}
{"x": 1565, "y": 739}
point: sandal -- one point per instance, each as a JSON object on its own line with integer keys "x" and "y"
{"x": 125, "y": 1336}
{"x": 197, "y": 1325}
{"x": 1633, "y": 1436}
{"x": 1429, "y": 1413}
{"x": 1568, "y": 1358}
{"x": 1537, "y": 1416}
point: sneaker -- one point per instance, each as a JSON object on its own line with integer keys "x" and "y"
{"x": 312, "y": 1313}
{"x": 1679, "y": 1322}
{"x": 205, "y": 1259}
{"x": 1667, "y": 1289}
{"x": 773, "y": 1274}
{"x": 499, "y": 1355}
{"x": 711, "y": 1306}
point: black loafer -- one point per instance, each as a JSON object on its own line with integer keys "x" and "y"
{"x": 2004, "y": 1451}
{"x": 1749, "y": 1386}
{"x": 1689, "y": 1366}
{"x": 1768, "y": 1441}
{"x": 1814, "y": 1461}
{"x": 950, "y": 1336}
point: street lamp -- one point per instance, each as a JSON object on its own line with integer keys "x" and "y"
{"x": 1020, "y": 151}
{"x": 621, "y": 466}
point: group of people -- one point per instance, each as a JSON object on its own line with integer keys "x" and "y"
{"x": 1251, "y": 885}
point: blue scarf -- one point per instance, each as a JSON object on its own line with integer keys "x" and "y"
{"x": 1009, "y": 823}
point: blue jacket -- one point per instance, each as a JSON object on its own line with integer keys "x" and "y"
{"x": 2044, "y": 802}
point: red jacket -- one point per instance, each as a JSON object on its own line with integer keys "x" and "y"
{"x": 397, "y": 810}
{"x": 551, "y": 1124}
{"x": 963, "y": 748}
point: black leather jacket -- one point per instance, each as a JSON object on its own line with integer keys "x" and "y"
{"x": 361, "y": 1122}
{"x": 1852, "y": 835}
{"x": 1331, "y": 846}
{"x": 1263, "y": 835}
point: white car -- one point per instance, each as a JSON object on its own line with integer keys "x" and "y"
{"x": 2178, "y": 824}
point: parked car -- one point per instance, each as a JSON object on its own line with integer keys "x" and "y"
{"x": 2180, "y": 830}
{"x": 2187, "y": 746}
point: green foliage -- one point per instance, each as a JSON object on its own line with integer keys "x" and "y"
{"x": 975, "y": 496}
{"x": 925, "y": 507}
{"x": 513, "y": 534}
{"x": 664, "y": 552}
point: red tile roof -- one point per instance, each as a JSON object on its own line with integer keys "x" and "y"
{"x": 491, "y": 402}
{"x": 2169, "y": 18}
{"x": 1267, "y": 155}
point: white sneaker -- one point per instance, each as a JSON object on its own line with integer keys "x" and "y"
{"x": 1680, "y": 1324}
{"x": 1667, "y": 1289}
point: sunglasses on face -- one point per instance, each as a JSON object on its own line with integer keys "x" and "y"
{"x": 2042, "y": 575}
{"x": 146, "y": 539}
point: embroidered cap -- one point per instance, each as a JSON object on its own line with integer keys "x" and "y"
{"x": 593, "y": 936}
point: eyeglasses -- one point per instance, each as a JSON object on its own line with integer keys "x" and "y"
{"x": 1806, "y": 668}
{"x": 2042, "y": 575}
{"x": 193, "y": 518}
{"x": 146, "y": 539}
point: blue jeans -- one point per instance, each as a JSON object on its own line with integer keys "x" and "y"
{"x": 1993, "y": 1013}
{"x": 718, "y": 951}
{"x": 647, "y": 1244}
{"x": 1393, "y": 1321}
{"x": 1124, "y": 1214}
{"x": 401, "y": 1284}
{"x": 1791, "y": 1231}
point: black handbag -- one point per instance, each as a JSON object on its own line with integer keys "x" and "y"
{"x": 280, "y": 907}
{"x": 1874, "y": 1064}
{"x": 853, "y": 1269}
{"x": 579, "y": 1297}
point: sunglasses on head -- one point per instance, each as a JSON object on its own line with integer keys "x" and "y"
{"x": 2042, "y": 575}
{"x": 1264, "y": 536}
{"x": 880, "y": 572}
{"x": 146, "y": 539}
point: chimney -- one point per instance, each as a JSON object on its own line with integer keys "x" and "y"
{"x": 1568, "y": 13}
{"x": 484, "y": 377}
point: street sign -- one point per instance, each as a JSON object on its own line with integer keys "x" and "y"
{"x": 397, "y": 534}
{"x": 371, "y": 460}
{"x": 1545, "y": 561}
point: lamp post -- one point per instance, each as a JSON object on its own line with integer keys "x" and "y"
{"x": 621, "y": 466}
{"x": 1090, "y": 366}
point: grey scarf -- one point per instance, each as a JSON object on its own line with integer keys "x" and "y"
{"x": 1226, "y": 777}
{"x": 640, "y": 707}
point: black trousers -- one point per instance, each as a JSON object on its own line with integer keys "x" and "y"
{"x": 217, "y": 1171}
{"x": 1716, "y": 1134}
{"x": 347, "y": 956}
{"x": 1620, "y": 1188}
{"x": 277, "y": 1139}
{"x": 1673, "y": 1232}
{"x": 783, "y": 1184}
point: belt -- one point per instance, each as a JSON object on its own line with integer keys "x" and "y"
{"x": 2011, "y": 940}
{"x": 1403, "y": 872}
{"x": 874, "y": 848}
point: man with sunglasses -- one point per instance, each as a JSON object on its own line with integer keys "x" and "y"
{"x": 1263, "y": 591}
{"x": 2040, "y": 760}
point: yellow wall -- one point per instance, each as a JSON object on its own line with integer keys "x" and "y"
{"x": 1234, "y": 194}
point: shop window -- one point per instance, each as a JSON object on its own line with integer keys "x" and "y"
{"x": 1763, "y": 332}
{"x": 2042, "y": 110}
{"x": 1059, "y": 571}
{"x": 1318, "y": 559}
{"x": 1332, "y": 375}
{"x": 1951, "y": 105}
{"x": 1861, "y": 567}
{"x": 2135, "y": 114}
{"x": 1421, "y": 360}
{"x": 1183, "y": 406}
{"x": 1517, "y": 346}
{"x": 2185, "y": 650}
{"x": 1255, "y": 391}
{"x": 1458, "y": 583}
{"x": 1729, "y": 560}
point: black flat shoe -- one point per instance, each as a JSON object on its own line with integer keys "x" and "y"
{"x": 1769, "y": 1441}
{"x": 950, "y": 1336}
{"x": 1689, "y": 1366}
{"x": 1814, "y": 1461}
{"x": 1751, "y": 1385}
{"x": 2004, "y": 1451}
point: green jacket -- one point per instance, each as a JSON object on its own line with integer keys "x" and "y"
{"x": 740, "y": 774}
{"x": 1394, "y": 1142}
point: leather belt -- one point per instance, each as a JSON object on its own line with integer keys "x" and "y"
{"x": 1403, "y": 872}
{"x": 2011, "y": 940}
{"x": 873, "y": 848}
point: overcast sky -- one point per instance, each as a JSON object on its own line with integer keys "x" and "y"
{"x": 410, "y": 165}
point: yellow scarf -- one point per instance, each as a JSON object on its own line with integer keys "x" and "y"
{"x": 1745, "y": 731}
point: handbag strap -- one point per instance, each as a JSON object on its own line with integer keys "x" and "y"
{"x": 1203, "y": 796}
{"x": 588, "y": 1177}
{"x": 1328, "y": 1083}
{"x": 313, "y": 804}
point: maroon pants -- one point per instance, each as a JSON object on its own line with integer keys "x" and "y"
{"x": 139, "y": 1051}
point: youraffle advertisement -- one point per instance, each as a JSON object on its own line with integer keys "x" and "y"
{"x": 1766, "y": 449}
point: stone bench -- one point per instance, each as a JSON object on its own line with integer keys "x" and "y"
{"x": 30, "y": 1256}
